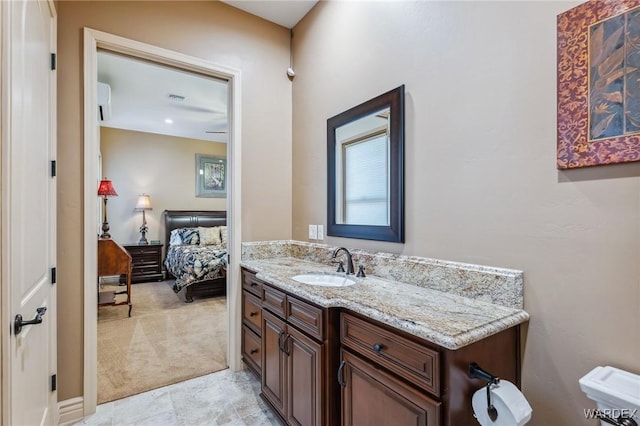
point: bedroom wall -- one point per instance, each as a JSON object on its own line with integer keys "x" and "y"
{"x": 206, "y": 29}
{"x": 481, "y": 180}
{"x": 162, "y": 167}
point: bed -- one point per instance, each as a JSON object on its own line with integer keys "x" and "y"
{"x": 198, "y": 270}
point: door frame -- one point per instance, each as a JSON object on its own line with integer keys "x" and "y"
{"x": 93, "y": 40}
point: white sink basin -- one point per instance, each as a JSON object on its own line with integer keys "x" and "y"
{"x": 324, "y": 280}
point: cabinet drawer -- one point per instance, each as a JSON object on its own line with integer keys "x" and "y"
{"x": 143, "y": 250}
{"x": 251, "y": 283}
{"x": 412, "y": 361}
{"x": 251, "y": 350}
{"x": 306, "y": 317}
{"x": 252, "y": 311}
{"x": 274, "y": 300}
{"x": 145, "y": 261}
{"x": 145, "y": 269}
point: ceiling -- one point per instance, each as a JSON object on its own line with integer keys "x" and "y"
{"x": 152, "y": 98}
{"x": 283, "y": 12}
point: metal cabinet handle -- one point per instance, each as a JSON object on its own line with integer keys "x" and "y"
{"x": 253, "y": 351}
{"x": 285, "y": 347}
{"x": 280, "y": 341}
{"x": 253, "y": 314}
{"x": 19, "y": 323}
{"x": 377, "y": 348}
{"x": 340, "y": 370}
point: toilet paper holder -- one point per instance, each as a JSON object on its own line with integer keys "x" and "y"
{"x": 476, "y": 372}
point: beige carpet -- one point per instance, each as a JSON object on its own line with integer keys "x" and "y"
{"x": 165, "y": 341}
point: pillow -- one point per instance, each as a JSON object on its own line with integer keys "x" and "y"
{"x": 188, "y": 236}
{"x": 223, "y": 235}
{"x": 209, "y": 236}
{"x": 174, "y": 238}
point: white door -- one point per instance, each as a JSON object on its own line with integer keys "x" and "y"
{"x": 28, "y": 210}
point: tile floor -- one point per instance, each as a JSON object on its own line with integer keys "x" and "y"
{"x": 222, "y": 398}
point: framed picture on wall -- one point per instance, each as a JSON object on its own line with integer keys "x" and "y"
{"x": 211, "y": 176}
{"x": 598, "y": 84}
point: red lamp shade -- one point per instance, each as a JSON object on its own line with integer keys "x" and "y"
{"x": 106, "y": 189}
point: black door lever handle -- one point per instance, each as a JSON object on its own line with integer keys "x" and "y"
{"x": 19, "y": 323}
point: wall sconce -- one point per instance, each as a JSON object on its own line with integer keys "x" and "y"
{"x": 144, "y": 204}
{"x": 106, "y": 190}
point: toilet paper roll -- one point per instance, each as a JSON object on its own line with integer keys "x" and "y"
{"x": 513, "y": 408}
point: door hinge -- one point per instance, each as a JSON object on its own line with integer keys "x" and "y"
{"x": 53, "y": 61}
{"x": 54, "y": 383}
{"x": 53, "y": 168}
{"x": 53, "y": 276}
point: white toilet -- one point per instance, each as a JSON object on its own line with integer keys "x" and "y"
{"x": 616, "y": 392}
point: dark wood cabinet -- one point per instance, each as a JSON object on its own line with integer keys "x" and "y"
{"x": 304, "y": 376}
{"x": 146, "y": 262}
{"x": 414, "y": 361}
{"x": 252, "y": 350}
{"x": 292, "y": 374}
{"x": 293, "y": 366}
{"x": 326, "y": 366}
{"x": 251, "y": 284}
{"x": 251, "y": 345}
{"x": 251, "y": 312}
{"x": 251, "y": 332}
{"x": 414, "y": 382}
{"x": 274, "y": 362}
{"x": 372, "y": 397}
{"x": 382, "y": 366}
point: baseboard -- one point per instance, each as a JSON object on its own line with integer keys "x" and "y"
{"x": 70, "y": 410}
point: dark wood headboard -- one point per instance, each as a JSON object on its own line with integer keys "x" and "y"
{"x": 190, "y": 219}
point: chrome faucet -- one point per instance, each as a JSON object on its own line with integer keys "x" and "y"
{"x": 349, "y": 260}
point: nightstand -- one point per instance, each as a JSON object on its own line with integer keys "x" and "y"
{"x": 146, "y": 262}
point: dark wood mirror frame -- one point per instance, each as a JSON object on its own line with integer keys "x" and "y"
{"x": 394, "y": 232}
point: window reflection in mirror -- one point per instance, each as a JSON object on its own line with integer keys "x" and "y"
{"x": 362, "y": 172}
{"x": 365, "y": 170}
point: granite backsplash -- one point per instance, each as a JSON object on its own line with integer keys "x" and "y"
{"x": 500, "y": 286}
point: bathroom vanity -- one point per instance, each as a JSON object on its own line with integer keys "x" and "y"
{"x": 375, "y": 352}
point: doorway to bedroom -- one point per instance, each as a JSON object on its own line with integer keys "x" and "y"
{"x": 163, "y": 143}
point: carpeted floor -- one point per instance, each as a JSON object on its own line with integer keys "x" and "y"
{"x": 165, "y": 341}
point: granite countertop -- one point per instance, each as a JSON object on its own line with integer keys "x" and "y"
{"x": 445, "y": 319}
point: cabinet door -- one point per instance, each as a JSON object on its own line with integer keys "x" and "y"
{"x": 251, "y": 312}
{"x": 274, "y": 362}
{"x": 305, "y": 360}
{"x": 372, "y": 397}
{"x": 251, "y": 350}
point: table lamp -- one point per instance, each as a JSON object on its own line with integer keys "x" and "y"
{"x": 144, "y": 204}
{"x": 106, "y": 190}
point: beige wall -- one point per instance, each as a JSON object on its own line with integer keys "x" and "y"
{"x": 481, "y": 181}
{"x": 158, "y": 165}
{"x": 208, "y": 30}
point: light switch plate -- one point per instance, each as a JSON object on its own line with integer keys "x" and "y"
{"x": 313, "y": 232}
{"x": 321, "y": 232}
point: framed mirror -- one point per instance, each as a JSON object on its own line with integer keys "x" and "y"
{"x": 365, "y": 170}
